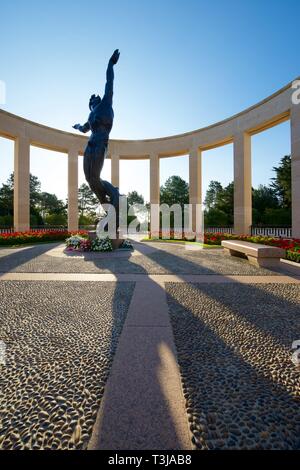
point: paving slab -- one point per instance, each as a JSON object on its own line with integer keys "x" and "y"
{"x": 143, "y": 406}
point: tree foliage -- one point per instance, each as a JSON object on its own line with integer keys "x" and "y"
{"x": 43, "y": 206}
{"x": 219, "y": 204}
{"x": 87, "y": 202}
{"x": 174, "y": 191}
{"x": 213, "y": 195}
{"x": 134, "y": 197}
{"x": 282, "y": 182}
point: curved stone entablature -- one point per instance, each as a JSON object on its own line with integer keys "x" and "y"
{"x": 265, "y": 114}
{"x": 237, "y": 129}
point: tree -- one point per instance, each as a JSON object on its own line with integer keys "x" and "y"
{"x": 134, "y": 197}
{"x": 42, "y": 205}
{"x": 6, "y": 200}
{"x": 56, "y": 219}
{"x": 263, "y": 198}
{"x": 278, "y": 217}
{"x": 213, "y": 193}
{"x": 282, "y": 183}
{"x": 50, "y": 204}
{"x": 225, "y": 202}
{"x": 87, "y": 220}
{"x": 219, "y": 203}
{"x": 174, "y": 191}
{"x": 35, "y": 191}
{"x": 6, "y": 205}
{"x": 87, "y": 201}
{"x": 215, "y": 217}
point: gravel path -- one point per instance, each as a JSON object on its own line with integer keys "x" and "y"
{"x": 60, "y": 339}
{"x": 242, "y": 390}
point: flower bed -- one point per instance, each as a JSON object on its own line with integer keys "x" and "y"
{"x": 293, "y": 255}
{"x": 290, "y": 245}
{"x": 36, "y": 236}
{"x": 78, "y": 243}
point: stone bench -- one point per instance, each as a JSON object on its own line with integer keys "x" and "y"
{"x": 259, "y": 255}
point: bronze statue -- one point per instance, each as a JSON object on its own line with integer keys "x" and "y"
{"x": 100, "y": 122}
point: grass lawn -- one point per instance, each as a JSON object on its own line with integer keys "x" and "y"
{"x": 180, "y": 242}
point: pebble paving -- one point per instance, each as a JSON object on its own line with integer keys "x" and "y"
{"x": 234, "y": 341}
{"x": 60, "y": 340}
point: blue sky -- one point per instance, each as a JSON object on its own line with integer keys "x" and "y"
{"x": 183, "y": 65}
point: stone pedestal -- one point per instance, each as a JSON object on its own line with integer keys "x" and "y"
{"x": 92, "y": 235}
{"x": 116, "y": 242}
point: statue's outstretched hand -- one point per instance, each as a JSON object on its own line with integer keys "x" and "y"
{"x": 77, "y": 127}
{"x": 115, "y": 57}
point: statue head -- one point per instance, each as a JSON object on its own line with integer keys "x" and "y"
{"x": 94, "y": 101}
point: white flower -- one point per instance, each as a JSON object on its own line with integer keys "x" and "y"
{"x": 102, "y": 244}
{"x": 74, "y": 241}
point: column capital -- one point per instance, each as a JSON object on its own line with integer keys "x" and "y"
{"x": 153, "y": 155}
{"x": 73, "y": 152}
{"x": 195, "y": 150}
{"x": 295, "y": 131}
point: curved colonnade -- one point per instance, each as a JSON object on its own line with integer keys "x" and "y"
{"x": 238, "y": 130}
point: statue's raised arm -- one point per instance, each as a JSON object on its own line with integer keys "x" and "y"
{"x": 110, "y": 76}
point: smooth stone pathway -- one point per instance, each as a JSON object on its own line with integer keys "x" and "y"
{"x": 143, "y": 405}
{"x": 160, "y": 278}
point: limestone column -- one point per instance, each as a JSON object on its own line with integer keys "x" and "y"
{"x": 154, "y": 194}
{"x": 73, "y": 190}
{"x": 295, "y": 150}
{"x": 195, "y": 183}
{"x": 242, "y": 184}
{"x": 115, "y": 170}
{"x": 21, "y": 184}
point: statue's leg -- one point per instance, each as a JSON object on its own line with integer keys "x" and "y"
{"x": 112, "y": 192}
{"x": 114, "y": 196}
{"x": 92, "y": 165}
